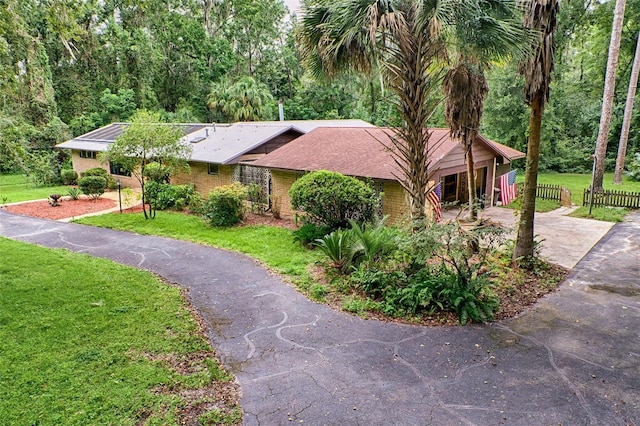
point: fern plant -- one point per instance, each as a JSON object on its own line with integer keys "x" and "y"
{"x": 338, "y": 247}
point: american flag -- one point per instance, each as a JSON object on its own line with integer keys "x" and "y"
{"x": 508, "y": 187}
{"x": 434, "y": 198}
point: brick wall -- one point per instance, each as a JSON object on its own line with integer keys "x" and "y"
{"x": 280, "y": 183}
{"x": 204, "y": 182}
{"x": 395, "y": 203}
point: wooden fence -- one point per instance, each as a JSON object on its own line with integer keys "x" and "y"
{"x": 551, "y": 192}
{"x": 630, "y": 200}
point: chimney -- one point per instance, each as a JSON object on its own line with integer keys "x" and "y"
{"x": 280, "y": 110}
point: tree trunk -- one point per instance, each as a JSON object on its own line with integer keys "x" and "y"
{"x": 471, "y": 185}
{"x": 607, "y": 97}
{"x": 524, "y": 240}
{"x": 628, "y": 111}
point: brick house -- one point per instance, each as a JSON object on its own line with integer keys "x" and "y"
{"x": 359, "y": 152}
{"x": 222, "y": 153}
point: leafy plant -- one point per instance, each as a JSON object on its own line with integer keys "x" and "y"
{"x": 68, "y": 176}
{"x": 224, "y": 205}
{"x": 92, "y": 186}
{"x": 330, "y": 198}
{"x": 74, "y": 193}
{"x": 372, "y": 241}
{"x": 308, "y": 233}
{"x": 163, "y": 196}
{"x": 338, "y": 247}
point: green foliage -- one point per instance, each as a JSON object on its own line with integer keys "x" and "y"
{"x": 308, "y": 233}
{"x": 42, "y": 168}
{"x": 243, "y": 100}
{"x": 163, "y": 196}
{"x": 17, "y": 188}
{"x": 92, "y": 186}
{"x": 100, "y": 172}
{"x": 224, "y": 205}
{"x": 85, "y": 349}
{"x": 338, "y": 246}
{"x": 156, "y": 172}
{"x": 68, "y": 176}
{"x": 74, "y": 193}
{"x": 331, "y": 199}
{"x": 633, "y": 168}
{"x": 429, "y": 268}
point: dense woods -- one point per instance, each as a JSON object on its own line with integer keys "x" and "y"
{"x": 69, "y": 66}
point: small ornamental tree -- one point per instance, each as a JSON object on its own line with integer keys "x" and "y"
{"x": 144, "y": 141}
{"x": 331, "y": 199}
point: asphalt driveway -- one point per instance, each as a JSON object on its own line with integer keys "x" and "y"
{"x": 574, "y": 359}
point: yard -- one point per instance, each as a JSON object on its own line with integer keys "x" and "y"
{"x": 88, "y": 341}
{"x": 15, "y": 188}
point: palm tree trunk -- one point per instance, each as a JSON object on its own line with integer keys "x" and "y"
{"x": 628, "y": 111}
{"x": 607, "y": 97}
{"x": 524, "y": 240}
{"x": 471, "y": 185}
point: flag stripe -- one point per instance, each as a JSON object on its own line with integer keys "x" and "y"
{"x": 508, "y": 190}
{"x": 434, "y": 198}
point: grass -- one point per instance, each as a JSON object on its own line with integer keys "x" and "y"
{"x": 271, "y": 245}
{"x": 577, "y": 183}
{"x": 15, "y": 188}
{"x": 542, "y": 206}
{"x": 607, "y": 214}
{"x": 88, "y": 341}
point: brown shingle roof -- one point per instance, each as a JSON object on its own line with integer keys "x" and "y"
{"x": 357, "y": 152}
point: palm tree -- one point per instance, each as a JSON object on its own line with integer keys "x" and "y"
{"x": 465, "y": 85}
{"x": 244, "y": 100}
{"x": 540, "y": 16}
{"x": 406, "y": 40}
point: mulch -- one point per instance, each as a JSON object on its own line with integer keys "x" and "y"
{"x": 66, "y": 209}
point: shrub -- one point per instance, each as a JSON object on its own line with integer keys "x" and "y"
{"x": 330, "y": 198}
{"x": 99, "y": 171}
{"x": 308, "y": 233}
{"x": 634, "y": 168}
{"x": 74, "y": 193}
{"x": 257, "y": 198}
{"x": 68, "y": 177}
{"x": 163, "y": 196}
{"x": 92, "y": 186}
{"x": 372, "y": 241}
{"x": 224, "y": 205}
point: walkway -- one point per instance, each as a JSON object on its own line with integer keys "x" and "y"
{"x": 565, "y": 240}
{"x": 572, "y": 360}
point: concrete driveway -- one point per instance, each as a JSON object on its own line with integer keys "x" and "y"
{"x": 574, "y": 359}
{"x": 565, "y": 240}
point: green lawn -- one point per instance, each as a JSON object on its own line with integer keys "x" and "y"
{"x": 273, "y": 246}
{"x": 88, "y": 341}
{"x": 577, "y": 183}
{"x": 15, "y": 188}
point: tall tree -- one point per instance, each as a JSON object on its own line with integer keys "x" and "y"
{"x": 628, "y": 111}
{"x": 540, "y": 16}
{"x": 404, "y": 39}
{"x": 465, "y": 86}
{"x": 607, "y": 97}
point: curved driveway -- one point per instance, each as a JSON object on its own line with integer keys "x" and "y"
{"x": 572, "y": 360}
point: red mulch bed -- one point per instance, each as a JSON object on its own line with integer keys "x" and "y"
{"x": 66, "y": 209}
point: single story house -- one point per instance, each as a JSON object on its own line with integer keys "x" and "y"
{"x": 222, "y": 153}
{"x": 360, "y": 152}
